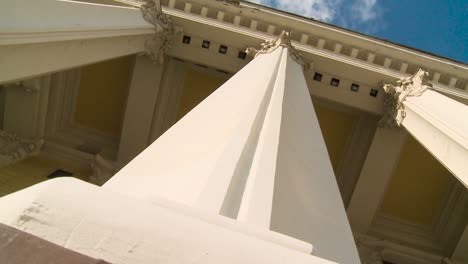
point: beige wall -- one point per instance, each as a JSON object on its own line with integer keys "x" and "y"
{"x": 102, "y": 95}
{"x": 336, "y": 128}
{"x": 417, "y": 187}
{"x": 197, "y": 86}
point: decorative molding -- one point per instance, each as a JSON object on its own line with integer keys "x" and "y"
{"x": 270, "y": 18}
{"x": 14, "y": 148}
{"x": 394, "y": 109}
{"x": 164, "y": 36}
{"x": 283, "y": 40}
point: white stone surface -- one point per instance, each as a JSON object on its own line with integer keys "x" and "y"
{"x": 439, "y": 123}
{"x": 119, "y": 229}
{"x": 253, "y": 151}
{"x": 44, "y": 36}
{"x": 142, "y": 96}
{"x": 29, "y": 21}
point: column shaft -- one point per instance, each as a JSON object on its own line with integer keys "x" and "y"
{"x": 382, "y": 158}
{"x": 142, "y": 96}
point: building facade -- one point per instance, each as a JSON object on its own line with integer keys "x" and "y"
{"x": 88, "y": 88}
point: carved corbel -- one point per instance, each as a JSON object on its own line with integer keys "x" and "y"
{"x": 283, "y": 40}
{"x": 165, "y": 32}
{"x": 394, "y": 109}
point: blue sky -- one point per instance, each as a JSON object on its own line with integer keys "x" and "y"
{"x": 435, "y": 26}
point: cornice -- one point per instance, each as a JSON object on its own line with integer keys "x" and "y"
{"x": 247, "y": 18}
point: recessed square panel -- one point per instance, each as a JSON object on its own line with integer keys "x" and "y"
{"x": 374, "y": 92}
{"x": 354, "y": 87}
{"x": 186, "y": 39}
{"x": 318, "y": 76}
{"x": 206, "y": 44}
{"x": 242, "y": 55}
{"x": 223, "y": 49}
{"x": 335, "y": 82}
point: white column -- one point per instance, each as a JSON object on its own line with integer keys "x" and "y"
{"x": 357, "y": 147}
{"x": 168, "y": 101}
{"x": 436, "y": 121}
{"x": 62, "y": 94}
{"x": 382, "y": 158}
{"x": 43, "y": 36}
{"x": 253, "y": 151}
{"x": 142, "y": 95}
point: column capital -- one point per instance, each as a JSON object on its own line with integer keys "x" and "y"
{"x": 283, "y": 40}
{"x": 163, "y": 27}
{"x": 395, "y": 95}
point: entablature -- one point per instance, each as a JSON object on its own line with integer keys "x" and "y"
{"x": 318, "y": 39}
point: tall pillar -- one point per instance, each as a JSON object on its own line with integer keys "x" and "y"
{"x": 253, "y": 151}
{"x": 351, "y": 164}
{"x": 74, "y": 34}
{"x": 436, "y": 121}
{"x": 169, "y": 96}
{"x": 143, "y": 92}
{"x": 382, "y": 158}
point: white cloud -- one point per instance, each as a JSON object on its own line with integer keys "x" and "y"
{"x": 362, "y": 15}
{"x": 324, "y": 10}
{"x": 365, "y": 10}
